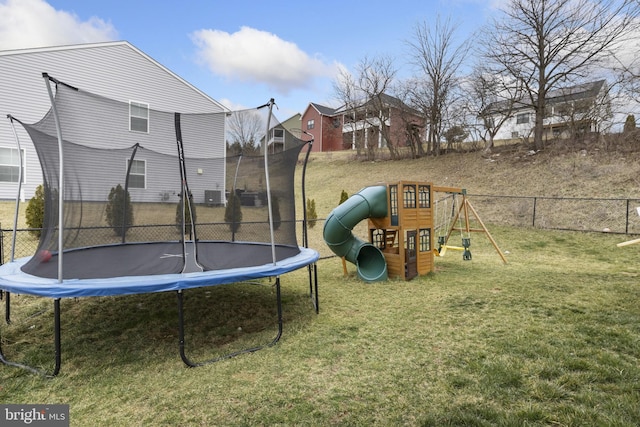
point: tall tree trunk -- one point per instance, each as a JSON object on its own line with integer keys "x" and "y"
{"x": 539, "y": 107}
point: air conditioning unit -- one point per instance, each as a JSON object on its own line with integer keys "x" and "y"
{"x": 213, "y": 198}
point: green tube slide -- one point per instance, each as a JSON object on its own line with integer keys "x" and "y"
{"x": 370, "y": 202}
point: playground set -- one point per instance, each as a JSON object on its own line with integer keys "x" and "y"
{"x": 403, "y": 218}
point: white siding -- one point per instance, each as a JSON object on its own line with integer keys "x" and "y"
{"x": 115, "y": 70}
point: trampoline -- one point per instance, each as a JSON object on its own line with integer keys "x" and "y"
{"x": 219, "y": 218}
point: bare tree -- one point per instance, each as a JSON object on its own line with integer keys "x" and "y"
{"x": 346, "y": 92}
{"x": 491, "y": 99}
{"x": 365, "y": 97}
{"x": 245, "y": 128}
{"x": 438, "y": 58}
{"x": 579, "y": 117}
{"x": 627, "y": 68}
{"x": 413, "y": 120}
{"x": 548, "y": 44}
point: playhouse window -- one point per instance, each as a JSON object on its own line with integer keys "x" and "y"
{"x": 378, "y": 238}
{"x": 409, "y": 196}
{"x": 424, "y": 196}
{"x": 393, "y": 202}
{"x": 425, "y": 240}
{"x": 410, "y": 243}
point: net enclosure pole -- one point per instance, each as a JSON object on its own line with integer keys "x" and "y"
{"x": 47, "y": 80}
{"x": 266, "y": 173}
{"x": 125, "y": 216}
{"x": 20, "y": 173}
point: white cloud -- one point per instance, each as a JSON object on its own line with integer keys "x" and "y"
{"x": 35, "y": 23}
{"x": 251, "y": 55}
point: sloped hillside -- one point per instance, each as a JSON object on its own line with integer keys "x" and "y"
{"x": 579, "y": 171}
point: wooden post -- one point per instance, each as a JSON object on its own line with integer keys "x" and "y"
{"x": 628, "y": 242}
{"x": 463, "y": 209}
{"x": 493, "y": 242}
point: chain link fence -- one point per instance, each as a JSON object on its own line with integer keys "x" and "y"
{"x": 620, "y": 216}
{"x": 559, "y": 213}
{"x": 26, "y": 240}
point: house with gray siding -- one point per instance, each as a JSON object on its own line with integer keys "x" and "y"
{"x": 114, "y": 70}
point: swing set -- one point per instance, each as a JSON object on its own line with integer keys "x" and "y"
{"x": 457, "y": 218}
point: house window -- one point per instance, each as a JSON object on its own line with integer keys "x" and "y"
{"x": 277, "y": 135}
{"x": 515, "y": 134}
{"x": 522, "y": 118}
{"x": 409, "y": 196}
{"x": 10, "y": 164}
{"x": 311, "y": 124}
{"x": 582, "y": 107}
{"x": 138, "y": 117}
{"x": 425, "y": 240}
{"x": 564, "y": 110}
{"x": 424, "y": 198}
{"x": 138, "y": 174}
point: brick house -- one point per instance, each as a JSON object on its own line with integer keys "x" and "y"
{"x": 345, "y": 127}
{"x": 325, "y": 124}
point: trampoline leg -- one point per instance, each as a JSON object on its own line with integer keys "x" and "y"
{"x": 7, "y": 303}
{"x": 315, "y": 280}
{"x": 57, "y": 335}
{"x": 279, "y": 306}
{"x": 313, "y": 287}
{"x": 56, "y": 338}
{"x": 181, "y": 335}
{"x": 181, "y": 331}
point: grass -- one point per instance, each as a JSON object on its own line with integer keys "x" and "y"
{"x": 551, "y": 338}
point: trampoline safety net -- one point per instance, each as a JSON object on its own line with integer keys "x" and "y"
{"x": 142, "y": 189}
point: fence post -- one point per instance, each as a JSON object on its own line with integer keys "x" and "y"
{"x": 535, "y": 201}
{"x": 626, "y": 224}
{"x": 2, "y": 244}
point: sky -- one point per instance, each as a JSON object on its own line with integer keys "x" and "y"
{"x": 243, "y": 53}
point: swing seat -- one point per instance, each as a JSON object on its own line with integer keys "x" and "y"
{"x": 443, "y": 250}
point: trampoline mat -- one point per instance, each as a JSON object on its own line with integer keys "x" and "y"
{"x": 146, "y": 259}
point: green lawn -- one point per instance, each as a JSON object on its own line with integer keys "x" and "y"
{"x": 551, "y": 338}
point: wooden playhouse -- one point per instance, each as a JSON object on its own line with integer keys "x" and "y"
{"x": 406, "y": 235}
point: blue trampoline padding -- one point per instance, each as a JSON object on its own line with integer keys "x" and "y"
{"x": 14, "y": 280}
